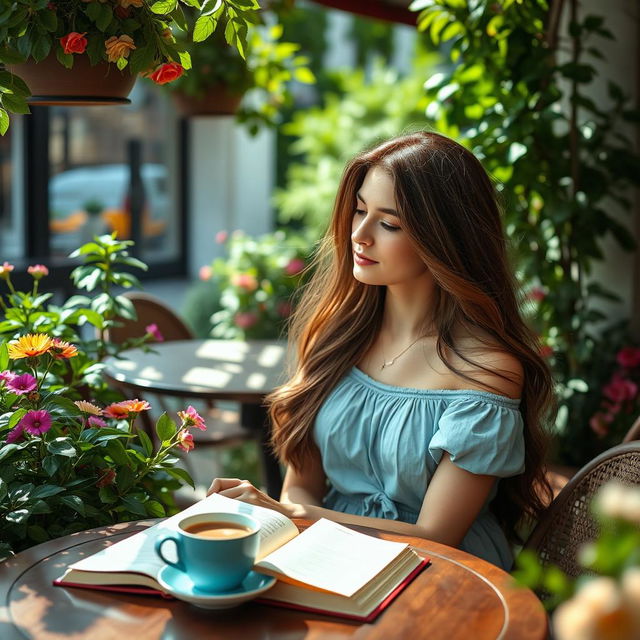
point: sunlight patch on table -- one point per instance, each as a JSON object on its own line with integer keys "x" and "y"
{"x": 205, "y": 377}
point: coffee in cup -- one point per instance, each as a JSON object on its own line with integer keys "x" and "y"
{"x": 216, "y": 550}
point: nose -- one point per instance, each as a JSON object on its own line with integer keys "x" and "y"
{"x": 360, "y": 234}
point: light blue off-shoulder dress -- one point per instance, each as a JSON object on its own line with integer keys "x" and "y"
{"x": 380, "y": 446}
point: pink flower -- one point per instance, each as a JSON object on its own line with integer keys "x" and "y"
{"x": 620, "y": 389}
{"x": 153, "y": 330}
{"x": 185, "y": 440}
{"x": 22, "y": 384}
{"x": 629, "y": 357}
{"x": 191, "y": 418}
{"x": 294, "y": 266}
{"x": 15, "y": 434}
{"x": 7, "y": 376}
{"x": 5, "y": 270}
{"x": 222, "y": 237}
{"x": 244, "y": 281}
{"x": 245, "y": 319}
{"x": 205, "y": 272}
{"x": 94, "y": 421}
{"x": 600, "y": 422}
{"x": 36, "y": 422}
{"x": 38, "y": 271}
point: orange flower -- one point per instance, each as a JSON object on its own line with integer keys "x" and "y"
{"x": 117, "y": 411}
{"x": 30, "y": 346}
{"x": 74, "y": 42}
{"x": 62, "y": 350}
{"x": 118, "y": 47}
{"x": 167, "y": 72}
{"x": 135, "y": 406}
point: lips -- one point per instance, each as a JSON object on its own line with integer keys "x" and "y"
{"x": 362, "y": 260}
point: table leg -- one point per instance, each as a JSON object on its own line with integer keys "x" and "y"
{"x": 254, "y": 417}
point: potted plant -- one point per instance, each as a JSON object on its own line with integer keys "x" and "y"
{"x": 221, "y": 77}
{"x": 90, "y": 51}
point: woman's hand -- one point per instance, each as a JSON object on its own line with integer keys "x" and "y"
{"x": 243, "y": 490}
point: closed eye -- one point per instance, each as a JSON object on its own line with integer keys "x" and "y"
{"x": 389, "y": 227}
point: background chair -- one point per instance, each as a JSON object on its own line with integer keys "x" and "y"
{"x": 223, "y": 425}
{"x": 567, "y": 522}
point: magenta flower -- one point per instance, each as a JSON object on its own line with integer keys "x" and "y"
{"x": 15, "y": 434}
{"x": 36, "y": 422}
{"x": 191, "y": 418}
{"x": 20, "y": 385}
{"x": 629, "y": 357}
{"x": 221, "y": 237}
{"x": 155, "y": 332}
{"x": 94, "y": 421}
{"x": 294, "y": 266}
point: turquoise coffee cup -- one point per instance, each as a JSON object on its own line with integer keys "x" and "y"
{"x": 218, "y": 563}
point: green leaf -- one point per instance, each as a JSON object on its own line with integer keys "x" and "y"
{"x": 51, "y": 464}
{"x": 18, "y": 414}
{"x": 15, "y": 104}
{"x": 118, "y": 453}
{"x": 62, "y": 447}
{"x": 4, "y": 121}
{"x": 46, "y": 490}
{"x": 74, "y": 502}
{"x": 105, "y": 16}
{"x": 155, "y": 509}
{"x": 165, "y": 428}
{"x": 18, "y": 516}
{"x": 164, "y": 7}
{"x": 204, "y": 27}
{"x": 4, "y": 356}
{"x": 181, "y": 474}
{"x": 40, "y": 506}
{"x": 125, "y": 479}
{"x": 145, "y": 441}
{"x": 37, "y": 533}
{"x": 134, "y": 505}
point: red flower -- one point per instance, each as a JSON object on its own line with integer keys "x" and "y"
{"x": 629, "y": 357}
{"x": 167, "y": 72}
{"x": 620, "y": 389}
{"x": 74, "y": 42}
{"x": 546, "y": 351}
{"x": 108, "y": 477}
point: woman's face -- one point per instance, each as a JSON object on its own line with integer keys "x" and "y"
{"x": 382, "y": 252}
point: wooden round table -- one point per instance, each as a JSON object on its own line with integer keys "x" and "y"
{"x": 457, "y": 596}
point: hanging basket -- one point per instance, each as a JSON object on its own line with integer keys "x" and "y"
{"x": 216, "y": 101}
{"x": 83, "y": 85}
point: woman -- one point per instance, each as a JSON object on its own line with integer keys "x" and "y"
{"x": 418, "y": 397}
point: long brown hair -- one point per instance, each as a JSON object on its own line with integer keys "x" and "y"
{"x": 447, "y": 205}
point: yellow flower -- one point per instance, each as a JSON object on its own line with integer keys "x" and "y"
{"x": 88, "y": 407}
{"x": 30, "y": 346}
{"x": 118, "y": 47}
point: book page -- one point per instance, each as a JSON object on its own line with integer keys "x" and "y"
{"x": 137, "y": 554}
{"x": 333, "y": 558}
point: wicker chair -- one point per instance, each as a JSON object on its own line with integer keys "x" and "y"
{"x": 567, "y": 522}
{"x": 223, "y": 425}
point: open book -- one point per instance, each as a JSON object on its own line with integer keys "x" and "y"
{"x": 327, "y": 568}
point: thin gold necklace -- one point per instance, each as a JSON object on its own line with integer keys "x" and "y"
{"x": 387, "y": 363}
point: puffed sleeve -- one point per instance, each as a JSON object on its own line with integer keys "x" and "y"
{"x": 481, "y": 436}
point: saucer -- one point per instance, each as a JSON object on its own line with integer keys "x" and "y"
{"x": 179, "y": 584}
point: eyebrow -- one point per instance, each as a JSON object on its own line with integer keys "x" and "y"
{"x": 391, "y": 212}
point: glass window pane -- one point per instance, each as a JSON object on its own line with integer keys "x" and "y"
{"x": 89, "y": 187}
{"x": 11, "y": 207}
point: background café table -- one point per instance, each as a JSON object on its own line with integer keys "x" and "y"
{"x": 236, "y": 370}
{"x": 458, "y": 596}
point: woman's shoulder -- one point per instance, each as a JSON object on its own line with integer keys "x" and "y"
{"x": 489, "y": 366}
